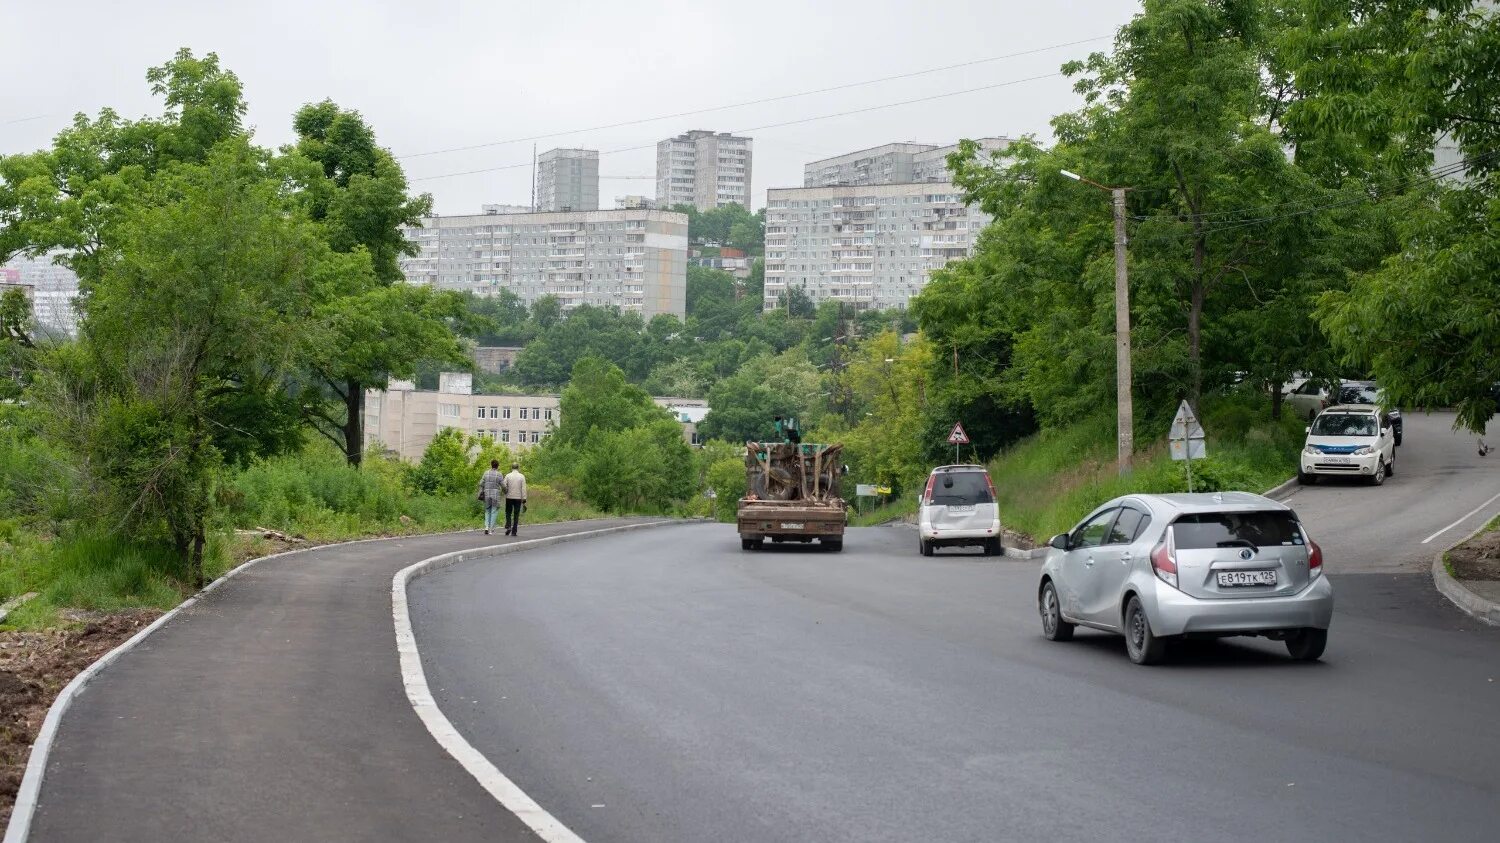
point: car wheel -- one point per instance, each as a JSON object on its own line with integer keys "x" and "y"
{"x": 926, "y": 548}
{"x": 1398, "y": 438}
{"x": 1054, "y": 628}
{"x": 1307, "y": 644}
{"x": 1306, "y": 479}
{"x": 832, "y": 545}
{"x": 992, "y": 547}
{"x": 1142, "y": 645}
{"x": 1379, "y": 476}
{"x": 1390, "y": 467}
{"x": 748, "y": 544}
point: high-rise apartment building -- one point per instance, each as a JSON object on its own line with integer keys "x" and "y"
{"x": 567, "y": 180}
{"x": 874, "y": 246}
{"x": 53, "y": 289}
{"x": 632, "y": 259}
{"x": 893, "y": 163}
{"x": 703, "y": 169}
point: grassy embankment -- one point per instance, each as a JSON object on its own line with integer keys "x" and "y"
{"x": 76, "y": 565}
{"x": 1048, "y": 481}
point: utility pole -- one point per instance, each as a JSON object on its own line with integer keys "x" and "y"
{"x": 1124, "y": 403}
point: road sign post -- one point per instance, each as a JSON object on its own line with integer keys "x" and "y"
{"x": 956, "y": 438}
{"x": 1186, "y": 440}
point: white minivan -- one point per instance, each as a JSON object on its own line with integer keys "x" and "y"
{"x": 1349, "y": 440}
{"x": 958, "y": 509}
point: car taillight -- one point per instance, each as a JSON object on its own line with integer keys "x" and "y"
{"x": 1314, "y": 559}
{"x": 990, "y": 483}
{"x": 1163, "y": 563}
{"x": 927, "y": 493}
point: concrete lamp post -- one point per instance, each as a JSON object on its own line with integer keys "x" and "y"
{"x": 1124, "y": 404}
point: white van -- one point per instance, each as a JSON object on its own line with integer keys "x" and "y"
{"x": 1349, "y": 440}
{"x": 958, "y": 509}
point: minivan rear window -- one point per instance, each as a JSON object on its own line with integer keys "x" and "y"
{"x": 1233, "y": 529}
{"x": 961, "y": 488}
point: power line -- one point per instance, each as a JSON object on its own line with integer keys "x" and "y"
{"x": 774, "y": 125}
{"x": 761, "y": 101}
{"x": 24, "y": 119}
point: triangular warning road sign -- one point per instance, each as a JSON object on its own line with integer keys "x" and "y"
{"x": 958, "y": 436}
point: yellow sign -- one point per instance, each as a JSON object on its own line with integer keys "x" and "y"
{"x": 882, "y": 490}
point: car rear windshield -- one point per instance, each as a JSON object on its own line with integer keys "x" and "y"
{"x": 1344, "y": 424}
{"x": 1235, "y": 529}
{"x": 1359, "y": 394}
{"x": 961, "y": 488}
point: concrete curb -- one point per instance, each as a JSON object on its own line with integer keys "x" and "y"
{"x": 414, "y": 680}
{"x": 1274, "y": 491}
{"x": 1481, "y": 608}
{"x": 41, "y": 749}
{"x": 1017, "y": 553}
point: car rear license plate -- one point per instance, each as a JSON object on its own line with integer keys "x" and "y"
{"x": 791, "y": 525}
{"x": 961, "y": 508}
{"x": 1234, "y": 579}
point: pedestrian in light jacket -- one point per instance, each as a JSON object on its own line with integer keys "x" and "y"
{"x": 515, "y": 499}
{"x": 491, "y": 492}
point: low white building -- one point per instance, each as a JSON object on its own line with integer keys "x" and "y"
{"x": 403, "y": 420}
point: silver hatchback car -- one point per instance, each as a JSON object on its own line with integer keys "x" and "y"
{"x": 1158, "y": 567}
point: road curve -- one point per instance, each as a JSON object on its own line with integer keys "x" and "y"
{"x": 673, "y": 688}
{"x": 273, "y": 709}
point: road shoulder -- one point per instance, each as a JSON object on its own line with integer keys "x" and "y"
{"x": 1475, "y": 557}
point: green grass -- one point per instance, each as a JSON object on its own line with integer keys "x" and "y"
{"x": 1047, "y": 482}
{"x": 894, "y": 510}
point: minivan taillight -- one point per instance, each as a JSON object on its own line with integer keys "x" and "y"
{"x": 991, "y": 484}
{"x": 1163, "y": 564}
{"x": 927, "y": 493}
{"x": 1314, "y": 559}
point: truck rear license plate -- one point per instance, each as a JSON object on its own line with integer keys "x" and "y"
{"x": 1231, "y": 579}
{"x": 791, "y": 525}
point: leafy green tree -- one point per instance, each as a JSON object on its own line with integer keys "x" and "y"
{"x": 598, "y": 398}
{"x": 212, "y": 260}
{"x": 382, "y": 329}
{"x": 744, "y": 405}
{"x": 1390, "y": 78}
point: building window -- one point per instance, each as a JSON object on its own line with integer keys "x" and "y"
{"x": 536, "y": 412}
{"x": 504, "y": 436}
{"x": 494, "y": 412}
{"x": 549, "y": 414}
{"x": 478, "y": 412}
{"x": 505, "y": 413}
{"x": 534, "y": 439}
{"x": 448, "y": 411}
{"x": 523, "y": 413}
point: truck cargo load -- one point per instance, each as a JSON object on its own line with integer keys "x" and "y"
{"x": 792, "y": 493}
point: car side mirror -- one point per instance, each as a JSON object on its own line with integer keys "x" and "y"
{"x": 1059, "y": 541}
{"x": 1307, "y": 429}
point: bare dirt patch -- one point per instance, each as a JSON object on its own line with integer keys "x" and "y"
{"x": 1478, "y": 558}
{"x": 34, "y": 668}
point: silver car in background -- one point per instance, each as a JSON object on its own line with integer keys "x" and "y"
{"x": 1158, "y": 567}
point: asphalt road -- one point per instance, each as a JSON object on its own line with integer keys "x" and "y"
{"x": 1439, "y": 478}
{"x": 669, "y": 687}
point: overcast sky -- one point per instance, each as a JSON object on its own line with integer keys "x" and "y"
{"x": 433, "y": 75}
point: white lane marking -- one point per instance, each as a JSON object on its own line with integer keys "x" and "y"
{"x": 414, "y": 678}
{"x": 1461, "y": 520}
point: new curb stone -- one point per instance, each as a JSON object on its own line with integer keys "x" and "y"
{"x": 1481, "y": 608}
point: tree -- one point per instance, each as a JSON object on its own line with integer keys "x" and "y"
{"x": 1391, "y": 77}
{"x": 744, "y": 405}
{"x": 358, "y": 192}
{"x": 214, "y": 259}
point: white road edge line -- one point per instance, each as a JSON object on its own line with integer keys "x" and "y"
{"x": 414, "y": 679}
{"x": 41, "y": 749}
{"x": 1461, "y": 520}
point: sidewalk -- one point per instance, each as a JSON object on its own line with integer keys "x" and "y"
{"x": 271, "y": 710}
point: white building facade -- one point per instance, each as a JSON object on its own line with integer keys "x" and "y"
{"x": 704, "y": 169}
{"x": 567, "y": 180}
{"x": 892, "y": 163}
{"x": 53, "y": 290}
{"x": 873, "y": 246}
{"x": 635, "y": 260}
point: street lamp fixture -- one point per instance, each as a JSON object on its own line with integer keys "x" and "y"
{"x": 1124, "y": 403}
